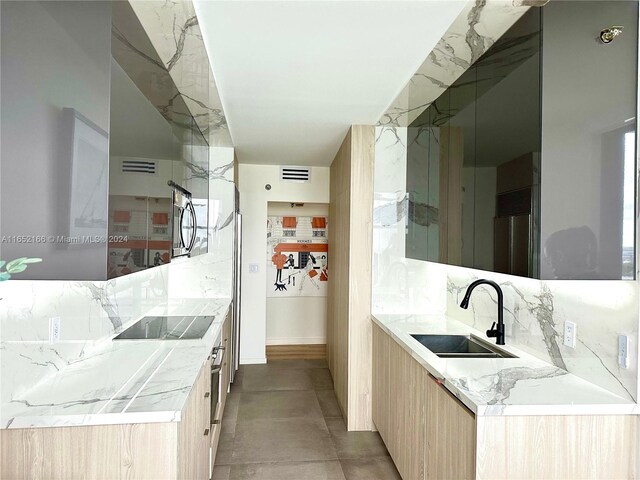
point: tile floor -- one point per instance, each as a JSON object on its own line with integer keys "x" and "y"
{"x": 282, "y": 422}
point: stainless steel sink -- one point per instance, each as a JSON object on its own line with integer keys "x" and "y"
{"x": 460, "y": 346}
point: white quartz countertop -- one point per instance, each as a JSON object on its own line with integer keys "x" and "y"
{"x": 124, "y": 381}
{"x": 524, "y": 385}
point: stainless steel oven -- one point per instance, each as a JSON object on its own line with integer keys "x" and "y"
{"x": 217, "y": 357}
{"x": 183, "y": 223}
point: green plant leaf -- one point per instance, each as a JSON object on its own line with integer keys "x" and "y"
{"x": 2, "y": 262}
{"x": 17, "y": 268}
{"x": 13, "y": 263}
{"x": 4, "y": 276}
{"x": 31, "y": 260}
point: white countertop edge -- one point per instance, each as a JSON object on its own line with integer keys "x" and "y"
{"x": 505, "y": 409}
{"x": 94, "y": 419}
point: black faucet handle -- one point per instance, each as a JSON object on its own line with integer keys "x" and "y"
{"x": 492, "y": 332}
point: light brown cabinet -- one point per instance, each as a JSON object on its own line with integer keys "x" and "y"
{"x": 177, "y": 450}
{"x": 182, "y": 450}
{"x": 431, "y": 435}
{"x": 194, "y": 430}
{"x": 420, "y": 422}
{"x": 399, "y": 385}
{"x": 450, "y": 434}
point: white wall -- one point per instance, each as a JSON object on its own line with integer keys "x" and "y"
{"x": 253, "y": 206}
{"x": 297, "y": 320}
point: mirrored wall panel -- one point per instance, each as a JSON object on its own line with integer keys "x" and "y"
{"x": 159, "y": 159}
{"x": 526, "y": 164}
{"x": 55, "y": 75}
{"x": 104, "y": 170}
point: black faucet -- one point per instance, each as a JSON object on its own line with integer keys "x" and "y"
{"x": 493, "y": 331}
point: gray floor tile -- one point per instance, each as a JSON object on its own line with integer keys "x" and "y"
{"x": 282, "y": 404}
{"x": 328, "y": 403}
{"x": 317, "y": 363}
{"x": 230, "y": 414}
{"x": 321, "y": 378}
{"x": 225, "y": 449}
{"x": 256, "y": 379}
{"x": 288, "y": 471}
{"x": 228, "y": 426}
{"x": 221, "y": 472}
{"x": 231, "y": 406}
{"x": 283, "y": 440}
{"x": 381, "y": 468}
{"x": 354, "y": 444}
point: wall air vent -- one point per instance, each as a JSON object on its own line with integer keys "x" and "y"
{"x": 295, "y": 174}
{"x": 139, "y": 166}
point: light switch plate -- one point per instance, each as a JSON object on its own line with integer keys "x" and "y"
{"x": 254, "y": 268}
{"x": 54, "y": 330}
{"x": 570, "y": 334}
{"x": 623, "y": 351}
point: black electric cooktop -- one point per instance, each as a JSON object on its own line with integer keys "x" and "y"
{"x": 186, "y": 327}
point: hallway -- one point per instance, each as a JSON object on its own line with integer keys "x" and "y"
{"x": 282, "y": 422}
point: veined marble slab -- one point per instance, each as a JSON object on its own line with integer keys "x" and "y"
{"x": 124, "y": 381}
{"x": 175, "y": 34}
{"x": 502, "y": 386}
{"x": 477, "y": 27}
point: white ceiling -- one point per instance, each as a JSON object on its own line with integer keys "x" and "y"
{"x": 294, "y": 75}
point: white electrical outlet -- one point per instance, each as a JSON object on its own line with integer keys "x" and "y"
{"x": 54, "y": 330}
{"x": 623, "y": 351}
{"x": 570, "y": 334}
{"x": 254, "y": 268}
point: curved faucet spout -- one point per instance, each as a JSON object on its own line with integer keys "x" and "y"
{"x": 494, "y": 331}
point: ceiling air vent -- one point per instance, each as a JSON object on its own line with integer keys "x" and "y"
{"x": 295, "y": 174}
{"x": 139, "y": 166}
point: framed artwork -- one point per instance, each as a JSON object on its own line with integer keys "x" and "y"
{"x": 88, "y": 199}
{"x": 297, "y": 256}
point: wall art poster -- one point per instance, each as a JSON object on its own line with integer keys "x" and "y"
{"x": 297, "y": 256}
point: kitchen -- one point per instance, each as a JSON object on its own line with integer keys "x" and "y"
{"x": 500, "y": 145}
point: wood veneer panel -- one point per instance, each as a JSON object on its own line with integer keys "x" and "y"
{"x": 295, "y": 352}
{"x": 140, "y": 451}
{"x": 338, "y": 288}
{"x": 360, "y": 253}
{"x": 558, "y": 447}
{"x": 349, "y": 297}
{"x": 451, "y": 436}
{"x": 399, "y": 404}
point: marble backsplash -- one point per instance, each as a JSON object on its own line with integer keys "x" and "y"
{"x": 535, "y": 311}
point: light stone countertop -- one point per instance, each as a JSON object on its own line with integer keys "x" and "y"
{"x": 524, "y": 385}
{"x": 128, "y": 381}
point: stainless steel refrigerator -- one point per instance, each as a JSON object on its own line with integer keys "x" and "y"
{"x": 237, "y": 277}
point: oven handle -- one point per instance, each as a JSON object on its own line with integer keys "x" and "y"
{"x": 217, "y": 366}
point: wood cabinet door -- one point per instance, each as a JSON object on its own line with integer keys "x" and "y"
{"x": 398, "y": 404}
{"x": 195, "y": 430}
{"x": 451, "y": 435}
